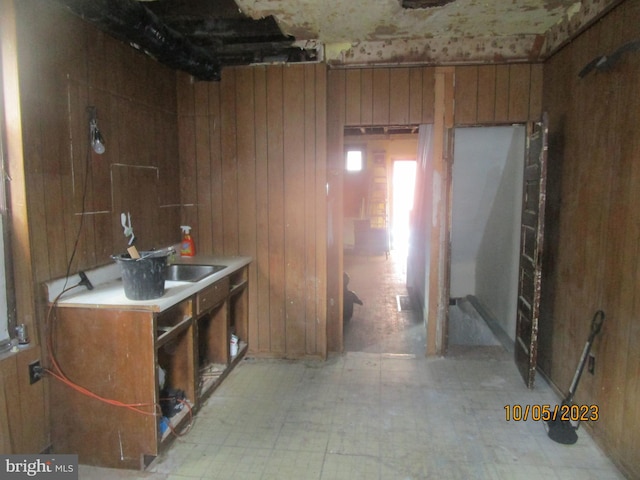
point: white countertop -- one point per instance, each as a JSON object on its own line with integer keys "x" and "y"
{"x": 108, "y": 291}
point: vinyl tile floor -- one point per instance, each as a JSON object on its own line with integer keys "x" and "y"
{"x": 372, "y": 416}
{"x": 379, "y": 411}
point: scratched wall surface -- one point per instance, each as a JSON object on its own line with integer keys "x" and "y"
{"x": 65, "y": 66}
{"x": 592, "y": 228}
{"x": 464, "y": 31}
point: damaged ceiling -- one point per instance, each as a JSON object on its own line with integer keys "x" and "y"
{"x": 202, "y": 36}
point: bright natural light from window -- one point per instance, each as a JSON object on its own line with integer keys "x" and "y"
{"x": 354, "y": 160}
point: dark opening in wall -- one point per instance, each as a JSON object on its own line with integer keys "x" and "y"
{"x": 424, "y": 3}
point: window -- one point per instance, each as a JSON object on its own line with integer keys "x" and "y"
{"x": 354, "y": 159}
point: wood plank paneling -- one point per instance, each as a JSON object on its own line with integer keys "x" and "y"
{"x": 501, "y": 110}
{"x": 336, "y": 95}
{"x": 273, "y": 130}
{"x": 229, "y": 171}
{"x": 245, "y": 104}
{"x": 612, "y": 229}
{"x": 290, "y": 159}
{"x": 309, "y": 243}
{"x": 366, "y": 96}
{"x": 399, "y": 96}
{"x": 353, "y": 107}
{"x": 9, "y": 404}
{"x": 486, "y": 93}
{"x": 24, "y": 411}
{"x": 466, "y": 111}
{"x": 389, "y": 96}
{"x": 67, "y": 56}
{"x": 34, "y": 408}
{"x": 294, "y": 208}
{"x": 381, "y": 96}
{"x": 276, "y": 227}
{"x": 594, "y": 234}
{"x": 535, "y": 92}
{"x": 259, "y": 329}
{"x": 200, "y": 174}
{"x": 215, "y": 155}
{"x": 415, "y": 96}
{"x": 519, "y": 85}
{"x": 247, "y": 180}
{"x": 136, "y": 192}
{"x": 187, "y": 149}
{"x": 63, "y": 65}
{"x": 321, "y": 231}
{"x": 428, "y": 94}
{"x": 630, "y": 168}
{"x": 497, "y": 94}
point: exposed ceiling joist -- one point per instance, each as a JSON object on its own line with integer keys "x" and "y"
{"x": 199, "y": 44}
{"x": 424, "y": 3}
{"x": 131, "y": 21}
{"x": 384, "y": 130}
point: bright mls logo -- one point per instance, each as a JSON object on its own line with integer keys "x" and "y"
{"x": 52, "y": 467}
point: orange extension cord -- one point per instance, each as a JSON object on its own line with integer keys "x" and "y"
{"x": 57, "y": 373}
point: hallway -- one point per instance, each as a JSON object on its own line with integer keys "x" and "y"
{"x": 378, "y": 326}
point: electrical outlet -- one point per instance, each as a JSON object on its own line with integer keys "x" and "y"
{"x": 591, "y": 366}
{"x": 35, "y": 372}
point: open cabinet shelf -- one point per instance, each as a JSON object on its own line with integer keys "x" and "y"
{"x": 142, "y": 357}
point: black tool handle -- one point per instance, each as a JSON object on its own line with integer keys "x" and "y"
{"x": 596, "y": 326}
{"x": 84, "y": 280}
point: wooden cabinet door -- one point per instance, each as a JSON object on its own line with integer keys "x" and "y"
{"x": 111, "y": 354}
{"x": 531, "y": 248}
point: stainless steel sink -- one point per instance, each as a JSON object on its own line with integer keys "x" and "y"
{"x": 184, "y": 272}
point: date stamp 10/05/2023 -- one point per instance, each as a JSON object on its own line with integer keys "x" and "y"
{"x": 545, "y": 413}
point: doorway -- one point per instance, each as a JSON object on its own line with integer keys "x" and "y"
{"x": 377, "y": 202}
{"x": 403, "y": 188}
{"x": 485, "y": 235}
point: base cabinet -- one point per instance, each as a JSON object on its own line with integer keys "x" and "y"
{"x": 123, "y": 365}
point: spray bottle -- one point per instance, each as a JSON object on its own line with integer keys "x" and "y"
{"x": 187, "y": 247}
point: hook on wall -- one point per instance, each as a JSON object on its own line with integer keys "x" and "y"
{"x": 606, "y": 62}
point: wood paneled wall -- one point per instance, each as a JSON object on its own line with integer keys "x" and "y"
{"x": 63, "y": 66}
{"x": 254, "y": 154}
{"x": 495, "y": 94}
{"x": 66, "y": 66}
{"x": 593, "y": 229}
{"x": 24, "y": 417}
{"x": 253, "y": 182}
{"x": 489, "y": 94}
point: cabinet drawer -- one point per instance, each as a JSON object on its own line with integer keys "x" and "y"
{"x": 212, "y": 295}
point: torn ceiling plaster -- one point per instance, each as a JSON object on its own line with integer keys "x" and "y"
{"x": 463, "y": 31}
{"x": 203, "y": 36}
{"x": 332, "y": 21}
